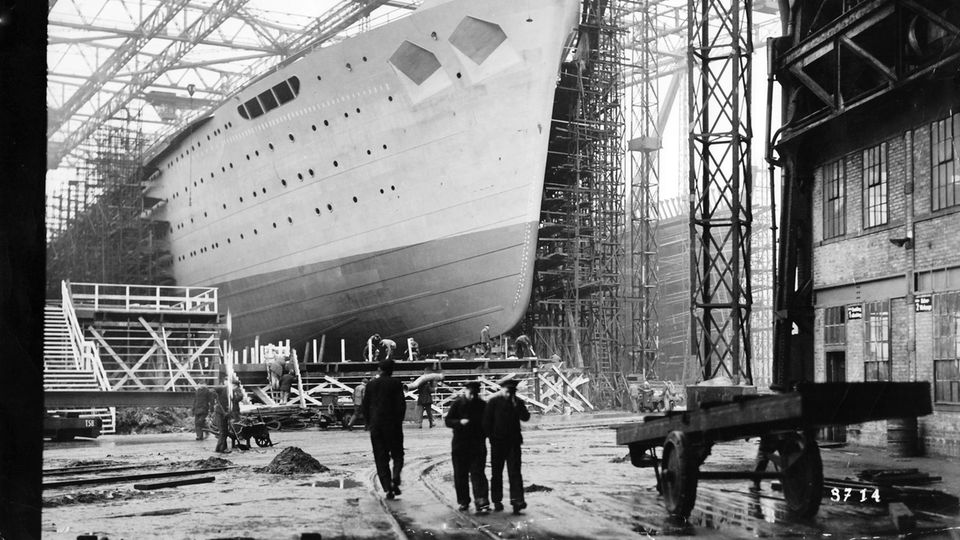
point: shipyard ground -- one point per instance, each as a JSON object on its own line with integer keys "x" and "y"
{"x": 579, "y": 486}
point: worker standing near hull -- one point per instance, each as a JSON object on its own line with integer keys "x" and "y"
{"x": 501, "y": 423}
{"x": 383, "y": 408}
{"x": 469, "y": 448}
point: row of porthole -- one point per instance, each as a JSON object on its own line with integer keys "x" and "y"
{"x": 216, "y": 245}
{"x": 256, "y": 153}
{"x": 186, "y": 152}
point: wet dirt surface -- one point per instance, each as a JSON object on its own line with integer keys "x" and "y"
{"x": 578, "y": 486}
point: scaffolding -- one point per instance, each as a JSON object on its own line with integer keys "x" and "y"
{"x": 97, "y": 222}
{"x": 577, "y": 309}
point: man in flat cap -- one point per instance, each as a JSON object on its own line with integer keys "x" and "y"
{"x": 501, "y": 423}
{"x": 383, "y": 408}
{"x": 469, "y": 448}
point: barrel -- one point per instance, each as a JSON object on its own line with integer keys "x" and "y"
{"x": 902, "y": 437}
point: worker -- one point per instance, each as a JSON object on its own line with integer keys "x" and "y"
{"x": 201, "y": 408}
{"x": 413, "y": 350}
{"x": 501, "y": 423}
{"x": 387, "y": 346}
{"x": 523, "y": 347}
{"x": 469, "y": 448}
{"x": 286, "y": 381}
{"x": 275, "y": 371}
{"x": 226, "y": 410}
{"x": 485, "y": 345}
{"x": 358, "y": 392}
{"x": 383, "y": 409}
{"x": 371, "y": 352}
{"x": 425, "y": 402}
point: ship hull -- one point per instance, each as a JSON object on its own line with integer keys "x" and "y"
{"x": 397, "y": 192}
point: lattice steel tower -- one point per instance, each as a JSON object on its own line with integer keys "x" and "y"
{"x": 719, "y": 58}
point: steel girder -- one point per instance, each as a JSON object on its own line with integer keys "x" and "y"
{"x": 720, "y": 47}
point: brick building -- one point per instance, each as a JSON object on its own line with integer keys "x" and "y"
{"x": 870, "y": 152}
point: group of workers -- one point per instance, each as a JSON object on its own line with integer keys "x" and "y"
{"x": 473, "y": 421}
{"x": 224, "y": 401}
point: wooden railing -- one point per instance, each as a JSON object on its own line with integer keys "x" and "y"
{"x": 85, "y": 353}
{"x": 168, "y": 299}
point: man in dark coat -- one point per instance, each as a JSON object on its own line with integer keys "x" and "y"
{"x": 501, "y": 423}
{"x": 425, "y": 402}
{"x": 469, "y": 448}
{"x": 523, "y": 347}
{"x": 225, "y": 410}
{"x": 201, "y": 408}
{"x": 383, "y": 409}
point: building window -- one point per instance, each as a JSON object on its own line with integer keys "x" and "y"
{"x": 946, "y": 347}
{"x": 876, "y": 337}
{"x": 835, "y": 326}
{"x": 946, "y": 183}
{"x": 834, "y": 200}
{"x": 875, "y": 186}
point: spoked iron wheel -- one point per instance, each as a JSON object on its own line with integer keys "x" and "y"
{"x": 678, "y": 478}
{"x": 802, "y": 471}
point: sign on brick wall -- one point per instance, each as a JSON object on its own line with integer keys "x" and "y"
{"x": 854, "y": 312}
{"x": 923, "y": 303}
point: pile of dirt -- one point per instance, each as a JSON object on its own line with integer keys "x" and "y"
{"x": 211, "y": 462}
{"x": 533, "y": 488}
{"x": 154, "y": 420}
{"x": 92, "y": 463}
{"x": 293, "y": 460}
{"x": 88, "y": 497}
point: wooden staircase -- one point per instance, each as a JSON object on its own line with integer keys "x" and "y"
{"x": 63, "y": 365}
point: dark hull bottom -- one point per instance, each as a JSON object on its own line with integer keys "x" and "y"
{"x": 440, "y": 293}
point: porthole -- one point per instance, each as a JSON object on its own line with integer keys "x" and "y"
{"x": 326, "y": 122}
{"x": 229, "y": 124}
{"x": 228, "y": 240}
{"x": 283, "y": 183}
{"x": 211, "y": 175}
{"x": 274, "y": 224}
{"x": 191, "y": 220}
{"x": 256, "y": 153}
{"x": 335, "y": 164}
{"x": 318, "y": 78}
{"x": 368, "y": 152}
{"x": 241, "y": 199}
{"x": 201, "y": 180}
{"x": 270, "y": 146}
{"x": 224, "y": 206}
{"x": 241, "y": 236}
{"x": 313, "y": 127}
{"x": 231, "y": 164}
{"x": 393, "y": 188}
{"x": 349, "y": 67}
{"x": 188, "y": 152}
{"x": 354, "y": 199}
{"x": 204, "y": 214}
{"x": 317, "y": 210}
{"x": 255, "y": 232}
{"x": 459, "y": 75}
{"x": 384, "y": 147}
{"x": 208, "y": 137}
{"x": 290, "y": 136}
{"x": 264, "y": 190}
{"x": 248, "y": 157}
{"x": 310, "y": 172}
{"x": 330, "y": 207}
{"x": 254, "y": 193}
{"x": 346, "y": 115}
{"x": 194, "y": 184}
{"x": 289, "y": 219}
{"x": 389, "y": 98}
{"x": 364, "y": 58}
{"x": 381, "y": 191}
{"x": 300, "y": 176}
{"x": 223, "y": 169}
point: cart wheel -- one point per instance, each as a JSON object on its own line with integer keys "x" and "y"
{"x": 678, "y": 479}
{"x": 263, "y": 441}
{"x": 802, "y": 472}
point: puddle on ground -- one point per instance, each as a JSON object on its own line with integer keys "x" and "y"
{"x": 339, "y": 483}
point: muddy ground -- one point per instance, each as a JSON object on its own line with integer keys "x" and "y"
{"x": 578, "y": 486}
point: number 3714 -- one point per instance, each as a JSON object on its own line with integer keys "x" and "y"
{"x": 854, "y": 495}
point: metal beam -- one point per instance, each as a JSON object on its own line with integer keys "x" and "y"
{"x": 151, "y": 26}
{"x": 137, "y": 33}
{"x": 206, "y": 23}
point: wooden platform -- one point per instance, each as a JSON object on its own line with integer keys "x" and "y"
{"x": 813, "y": 405}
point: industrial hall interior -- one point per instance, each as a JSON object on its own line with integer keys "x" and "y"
{"x": 326, "y": 269}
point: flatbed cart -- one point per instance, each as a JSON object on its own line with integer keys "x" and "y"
{"x": 786, "y": 423}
